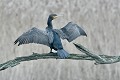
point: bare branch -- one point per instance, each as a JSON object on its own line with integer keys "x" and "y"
{"x": 99, "y": 59}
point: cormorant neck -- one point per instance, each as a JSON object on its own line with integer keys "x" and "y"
{"x": 49, "y": 23}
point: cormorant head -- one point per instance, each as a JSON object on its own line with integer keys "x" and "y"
{"x": 52, "y": 16}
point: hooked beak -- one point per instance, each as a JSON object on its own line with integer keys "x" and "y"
{"x": 54, "y": 17}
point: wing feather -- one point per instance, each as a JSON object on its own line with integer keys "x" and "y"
{"x": 33, "y": 35}
{"x": 70, "y": 32}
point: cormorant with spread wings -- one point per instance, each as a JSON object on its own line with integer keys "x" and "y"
{"x": 51, "y": 37}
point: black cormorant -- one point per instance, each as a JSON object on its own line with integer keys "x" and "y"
{"x": 51, "y": 37}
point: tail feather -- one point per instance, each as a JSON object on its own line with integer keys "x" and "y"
{"x": 62, "y": 53}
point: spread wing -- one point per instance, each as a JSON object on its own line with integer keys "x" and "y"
{"x": 33, "y": 35}
{"x": 70, "y": 32}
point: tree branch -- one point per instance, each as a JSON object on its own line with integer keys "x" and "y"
{"x": 99, "y": 59}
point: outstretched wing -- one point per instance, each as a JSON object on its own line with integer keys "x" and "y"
{"x": 70, "y": 32}
{"x": 34, "y": 35}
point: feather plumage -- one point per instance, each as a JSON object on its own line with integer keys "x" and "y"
{"x": 33, "y": 35}
{"x": 70, "y": 32}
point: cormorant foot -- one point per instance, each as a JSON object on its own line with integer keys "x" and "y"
{"x": 51, "y": 52}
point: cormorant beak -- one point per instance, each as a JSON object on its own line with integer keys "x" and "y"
{"x": 54, "y": 17}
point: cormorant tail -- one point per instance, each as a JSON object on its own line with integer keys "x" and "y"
{"x": 62, "y": 53}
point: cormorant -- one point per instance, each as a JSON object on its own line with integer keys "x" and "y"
{"x": 51, "y": 37}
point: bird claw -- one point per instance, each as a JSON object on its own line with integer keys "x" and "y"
{"x": 51, "y": 52}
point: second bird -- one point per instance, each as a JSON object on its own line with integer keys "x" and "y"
{"x": 51, "y": 37}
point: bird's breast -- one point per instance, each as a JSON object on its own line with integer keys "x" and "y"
{"x": 50, "y": 36}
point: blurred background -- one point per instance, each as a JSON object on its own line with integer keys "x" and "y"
{"x": 99, "y": 18}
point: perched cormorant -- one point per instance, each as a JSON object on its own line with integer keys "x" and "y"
{"x": 51, "y": 37}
